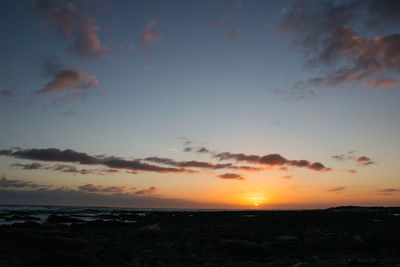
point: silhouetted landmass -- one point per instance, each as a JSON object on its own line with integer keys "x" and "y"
{"x": 340, "y": 236}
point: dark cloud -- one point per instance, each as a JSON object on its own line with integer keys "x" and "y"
{"x": 231, "y": 176}
{"x": 53, "y": 154}
{"x": 344, "y": 157}
{"x": 337, "y": 189}
{"x": 202, "y": 150}
{"x": 7, "y": 183}
{"x": 70, "y": 169}
{"x": 200, "y": 164}
{"x": 101, "y": 189}
{"x": 65, "y": 168}
{"x": 138, "y": 165}
{"x": 71, "y": 156}
{"x": 170, "y": 162}
{"x": 272, "y": 160}
{"x": 364, "y": 161}
{"x": 187, "y": 149}
{"x": 32, "y": 166}
{"x": 326, "y": 35}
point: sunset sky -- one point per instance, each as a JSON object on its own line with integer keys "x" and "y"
{"x": 200, "y": 104}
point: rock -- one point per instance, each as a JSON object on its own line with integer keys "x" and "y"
{"x": 287, "y": 238}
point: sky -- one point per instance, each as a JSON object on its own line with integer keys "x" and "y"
{"x": 218, "y": 104}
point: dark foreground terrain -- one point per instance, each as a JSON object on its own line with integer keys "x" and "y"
{"x": 348, "y": 236}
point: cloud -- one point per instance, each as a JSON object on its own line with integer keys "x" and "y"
{"x": 70, "y": 169}
{"x": 337, "y": 189}
{"x": 163, "y": 165}
{"x": 33, "y": 166}
{"x": 388, "y": 191}
{"x": 137, "y": 165}
{"x": 67, "y": 79}
{"x": 71, "y": 156}
{"x": 202, "y": 150}
{"x": 68, "y": 113}
{"x": 325, "y": 34}
{"x": 7, "y": 183}
{"x": 234, "y": 35}
{"x": 65, "y": 18}
{"x": 201, "y": 164}
{"x": 7, "y": 95}
{"x": 299, "y": 92}
{"x": 361, "y": 160}
{"x": 344, "y": 157}
{"x": 87, "y": 44}
{"x": 146, "y": 192}
{"x": 364, "y": 161}
{"x": 381, "y": 83}
{"x": 14, "y": 97}
{"x": 52, "y": 154}
{"x": 273, "y": 160}
{"x": 287, "y": 177}
{"x": 237, "y": 4}
{"x": 150, "y": 35}
{"x": 101, "y": 189}
{"x": 231, "y": 176}
{"x": 351, "y": 171}
{"x": 72, "y": 23}
{"x": 65, "y": 168}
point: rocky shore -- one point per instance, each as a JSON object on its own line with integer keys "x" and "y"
{"x": 344, "y": 236}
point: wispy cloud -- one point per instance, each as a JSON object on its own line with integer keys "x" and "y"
{"x": 11, "y": 96}
{"x": 326, "y": 34}
{"x": 234, "y": 35}
{"x": 388, "y": 191}
{"x": 9, "y": 183}
{"x": 337, "y": 189}
{"x": 150, "y": 34}
{"x": 74, "y": 24}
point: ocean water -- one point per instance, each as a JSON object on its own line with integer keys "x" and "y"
{"x": 11, "y": 214}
